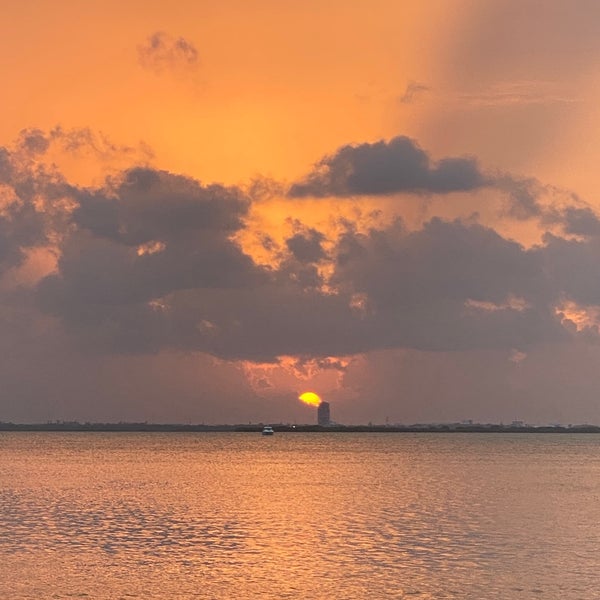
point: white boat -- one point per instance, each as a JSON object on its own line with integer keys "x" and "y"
{"x": 267, "y": 430}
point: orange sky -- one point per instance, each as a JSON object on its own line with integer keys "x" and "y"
{"x": 278, "y": 85}
{"x": 242, "y": 91}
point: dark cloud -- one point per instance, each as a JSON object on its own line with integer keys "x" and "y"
{"x": 448, "y": 285}
{"x": 5, "y": 165}
{"x": 148, "y": 266}
{"x": 149, "y": 263}
{"x": 581, "y": 221}
{"x": 443, "y": 260}
{"x": 149, "y": 205}
{"x": 573, "y": 268}
{"x": 161, "y": 52}
{"x": 21, "y": 226}
{"x": 23, "y": 222}
{"x": 380, "y": 168}
{"x": 307, "y": 246}
{"x": 527, "y": 199}
{"x": 136, "y": 245}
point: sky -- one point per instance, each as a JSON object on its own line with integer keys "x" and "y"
{"x": 207, "y": 209}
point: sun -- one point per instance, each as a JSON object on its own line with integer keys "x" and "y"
{"x": 310, "y": 398}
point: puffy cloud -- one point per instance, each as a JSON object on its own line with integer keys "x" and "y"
{"x": 23, "y": 222}
{"x": 148, "y": 204}
{"x": 380, "y": 168}
{"x": 148, "y": 265}
{"x": 573, "y": 267}
{"x": 446, "y": 286}
{"x": 581, "y": 221}
{"x": 137, "y": 244}
{"x": 149, "y": 262}
{"x": 21, "y": 226}
{"x": 307, "y": 246}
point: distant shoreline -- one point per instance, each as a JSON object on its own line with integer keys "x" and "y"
{"x": 73, "y": 426}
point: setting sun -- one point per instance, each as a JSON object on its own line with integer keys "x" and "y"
{"x": 310, "y": 398}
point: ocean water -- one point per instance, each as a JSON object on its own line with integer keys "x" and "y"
{"x": 311, "y": 516}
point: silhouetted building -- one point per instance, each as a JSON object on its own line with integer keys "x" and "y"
{"x": 323, "y": 414}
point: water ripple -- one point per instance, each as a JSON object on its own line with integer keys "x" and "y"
{"x": 298, "y": 516}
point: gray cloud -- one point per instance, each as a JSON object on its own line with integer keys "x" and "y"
{"x": 307, "y": 246}
{"x": 149, "y": 271}
{"x": 148, "y": 204}
{"x": 138, "y": 243}
{"x": 161, "y": 52}
{"x": 447, "y": 286}
{"x": 525, "y": 201}
{"x": 573, "y": 267}
{"x": 23, "y": 222}
{"x": 380, "y": 168}
{"x": 149, "y": 263}
{"x": 20, "y": 227}
{"x": 580, "y": 221}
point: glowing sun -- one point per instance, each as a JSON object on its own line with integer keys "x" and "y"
{"x": 310, "y": 398}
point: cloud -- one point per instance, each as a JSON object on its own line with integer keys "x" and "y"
{"x": 523, "y": 197}
{"x": 33, "y": 141}
{"x": 580, "y": 221}
{"x": 76, "y": 154}
{"x": 162, "y": 52}
{"x": 23, "y": 222}
{"x": 418, "y": 287}
{"x": 572, "y": 267}
{"x": 149, "y": 262}
{"x": 446, "y": 287}
{"x": 307, "y": 246}
{"x": 381, "y": 168}
{"x": 145, "y": 204}
{"x": 147, "y": 268}
{"x": 137, "y": 243}
{"x": 527, "y": 199}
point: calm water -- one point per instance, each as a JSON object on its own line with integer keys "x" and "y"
{"x": 331, "y": 516}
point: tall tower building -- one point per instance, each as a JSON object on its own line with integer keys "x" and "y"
{"x": 323, "y": 414}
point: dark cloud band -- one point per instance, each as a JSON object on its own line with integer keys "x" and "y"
{"x": 381, "y": 168}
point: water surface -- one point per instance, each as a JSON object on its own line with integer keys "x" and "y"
{"x": 314, "y": 516}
